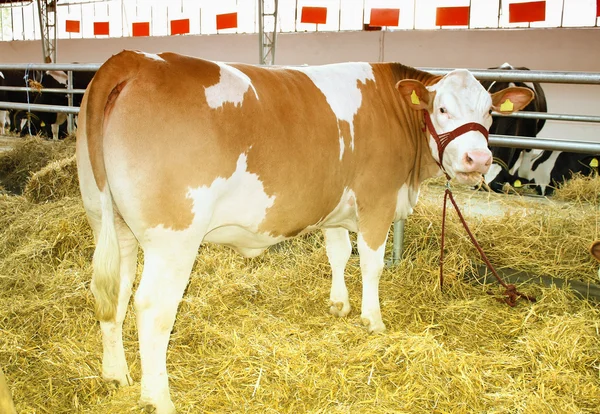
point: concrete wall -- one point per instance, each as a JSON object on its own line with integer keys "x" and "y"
{"x": 541, "y": 49}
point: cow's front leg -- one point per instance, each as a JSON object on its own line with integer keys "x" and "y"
{"x": 337, "y": 244}
{"x": 371, "y": 266}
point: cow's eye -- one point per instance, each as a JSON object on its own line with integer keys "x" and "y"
{"x": 490, "y": 111}
{"x": 443, "y": 110}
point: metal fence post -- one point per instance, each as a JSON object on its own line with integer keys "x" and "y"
{"x": 398, "y": 243}
{"x": 70, "y": 117}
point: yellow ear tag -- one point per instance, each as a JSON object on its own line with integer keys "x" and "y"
{"x": 518, "y": 184}
{"x": 507, "y": 106}
{"x": 414, "y": 98}
{"x": 594, "y": 163}
{"x": 43, "y": 124}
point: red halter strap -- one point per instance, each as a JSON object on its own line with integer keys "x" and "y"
{"x": 446, "y": 138}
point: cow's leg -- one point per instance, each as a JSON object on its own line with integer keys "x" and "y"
{"x": 3, "y": 118}
{"x": 114, "y": 364}
{"x": 166, "y": 273}
{"x": 61, "y": 117}
{"x": 337, "y": 244}
{"x": 371, "y": 266}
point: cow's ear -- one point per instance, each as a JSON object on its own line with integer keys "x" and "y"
{"x": 511, "y": 99}
{"x": 414, "y": 93}
{"x": 59, "y": 75}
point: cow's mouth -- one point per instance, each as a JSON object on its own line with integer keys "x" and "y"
{"x": 469, "y": 178}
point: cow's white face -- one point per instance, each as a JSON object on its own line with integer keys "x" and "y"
{"x": 455, "y": 100}
{"x": 459, "y": 99}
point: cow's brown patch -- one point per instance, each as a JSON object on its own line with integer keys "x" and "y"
{"x": 391, "y": 147}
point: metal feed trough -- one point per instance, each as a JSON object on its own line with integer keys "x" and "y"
{"x": 580, "y": 78}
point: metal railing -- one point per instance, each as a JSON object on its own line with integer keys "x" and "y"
{"x": 70, "y": 110}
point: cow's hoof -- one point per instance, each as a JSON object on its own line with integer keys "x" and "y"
{"x": 339, "y": 309}
{"x": 166, "y": 407}
{"x": 373, "y": 326}
{"x": 121, "y": 381}
{"x": 149, "y": 408}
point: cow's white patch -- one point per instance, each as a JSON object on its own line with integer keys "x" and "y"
{"x": 152, "y": 56}
{"x": 229, "y": 212}
{"x": 492, "y": 173}
{"x": 405, "y": 201}
{"x": 541, "y": 175}
{"x": 339, "y": 84}
{"x": 233, "y": 85}
{"x": 513, "y": 170}
{"x": 344, "y": 214}
{"x": 342, "y": 146}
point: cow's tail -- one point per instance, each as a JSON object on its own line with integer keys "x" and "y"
{"x": 101, "y": 95}
{"x": 107, "y": 262}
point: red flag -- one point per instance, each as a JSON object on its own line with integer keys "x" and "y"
{"x": 385, "y": 17}
{"x": 533, "y": 11}
{"x": 316, "y": 15}
{"x": 452, "y": 16}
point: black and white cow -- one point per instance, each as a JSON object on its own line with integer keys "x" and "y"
{"x": 35, "y": 122}
{"x": 545, "y": 170}
{"x": 502, "y": 169}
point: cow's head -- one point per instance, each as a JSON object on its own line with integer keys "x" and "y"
{"x": 456, "y": 101}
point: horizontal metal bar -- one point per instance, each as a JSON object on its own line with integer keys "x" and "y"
{"x": 584, "y": 147}
{"x": 587, "y": 78}
{"x": 84, "y": 67}
{"x": 545, "y": 115}
{"x": 39, "y": 108}
{"x": 52, "y": 90}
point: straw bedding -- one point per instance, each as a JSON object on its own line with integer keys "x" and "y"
{"x": 254, "y": 335}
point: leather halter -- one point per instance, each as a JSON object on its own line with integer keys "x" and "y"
{"x": 442, "y": 140}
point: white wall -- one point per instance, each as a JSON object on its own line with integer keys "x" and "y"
{"x": 542, "y": 49}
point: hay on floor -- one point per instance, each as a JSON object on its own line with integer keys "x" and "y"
{"x": 255, "y": 335}
{"x": 581, "y": 189}
{"x": 28, "y": 156}
{"x": 56, "y": 180}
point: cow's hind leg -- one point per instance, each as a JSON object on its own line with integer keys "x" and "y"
{"x": 166, "y": 273}
{"x": 114, "y": 364}
{"x": 337, "y": 244}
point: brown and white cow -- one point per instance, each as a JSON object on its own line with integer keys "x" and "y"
{"x": 252, "y": 156}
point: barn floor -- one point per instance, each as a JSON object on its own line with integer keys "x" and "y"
{"x": 255, "y": 335}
